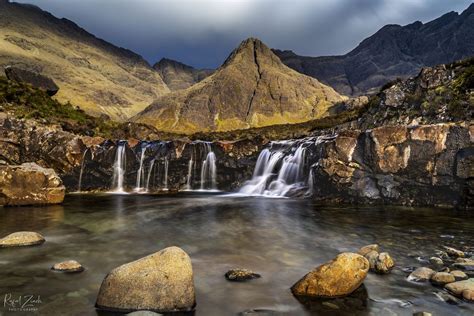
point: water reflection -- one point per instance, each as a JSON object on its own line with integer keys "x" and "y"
{"x": 281, "y": 239}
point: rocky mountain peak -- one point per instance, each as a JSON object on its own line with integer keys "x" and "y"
{"x": 251, "y": 50}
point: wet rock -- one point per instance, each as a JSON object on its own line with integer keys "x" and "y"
{"x": 241, "y": 275}
{"x": 384, "y": 263}
{"x": 366, "y": 249}
{"x": 459, "y": 275}
{"x": 442, "y": 278}
{"x": 338, "y": 277}
{"x": 447, "y": 298}
{"x": 21, "y": 239}
{"x": 457, "y": 288}
{"x": 29, "y": 184}
{"x": 143, "y": 313}
{"x": 422, "y": 314}
{"x": 468, "y": 295}
{"x": 437, "y": 262}
{"x": 161, "y": 282}
{"x": 464, "y": 264}
{"x": 421, "y": 274}
{"x": 68, "y": 266}
{"x": 372, "y": 256}
{"x": 35, "y": 79}
{"x": 452, "y": 252}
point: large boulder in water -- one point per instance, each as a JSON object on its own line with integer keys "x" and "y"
{"x": 336, "y": 278}
{"x": 36, "y": 80}
{"x": 30, "y": 184}
{"x": 161, "y": 282}
{"x": 21, "y": 239}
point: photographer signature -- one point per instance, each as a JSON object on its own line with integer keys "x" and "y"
{"x": 21, "y": 302}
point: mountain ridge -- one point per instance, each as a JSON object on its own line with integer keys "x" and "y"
{"x": 178, "y": 75}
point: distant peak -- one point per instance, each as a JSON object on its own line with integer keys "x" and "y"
{"x": 469, "y": 10}
{"x": 171, "y": 62}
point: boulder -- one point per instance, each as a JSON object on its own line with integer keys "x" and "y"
{"x": 437, "y": 262}
{"x": 459, "y": 275}
{"x": 457, "y": 288}
{"x": 464, "y": 264}
{"x": 384, "y": 263}
{"x": 372, "y": 256}
{"x": 442, "y": 278}
{"x": 468, "y": 294}
{"x": 452, "y": 252}
{"x": 20, "y": 239}
{"x": 421, "y": 274}
{"x": 30, "y": 184}
{"x": 336, "y": 278}
{"x": 36, "y": 80}
{"x": 68, "y": 266}
{"x": 366, "y": 249}
{"x": 160, "y": 282}
{"x": 241, "y": 275}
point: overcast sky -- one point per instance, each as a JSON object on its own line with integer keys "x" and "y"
{"x": 202, "y": 33}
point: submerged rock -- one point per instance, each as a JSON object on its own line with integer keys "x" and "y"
{"x": 421, "y": 274}
{"x": 442, "y": 278}
{"x": 241, "y": 275}
{"x": 338, "y": 277}
{"x": 21, "y": 239}
{"x": 68, "y": 266}
{"x": 464, "y": 264}
{"x": 161, "y": 282}
{"x": 30, "y": 184}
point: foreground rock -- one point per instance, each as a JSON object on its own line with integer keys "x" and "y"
{"x": 421, "y": 274}
{"x": 464, "y": 289}
{"x": 21, "y": 239}
{"x": 338, "y": 277}
{"x": 241, "y": 275}
{"x": 459, "y": 275}
{"x": 384, "y": 263}
{"x": 442, "y": 278}
{"x": 30, "y": 184}
{"x": 68, "y": 266}
{"x": 36, "y": 80}
{"x": 161, "y": 282}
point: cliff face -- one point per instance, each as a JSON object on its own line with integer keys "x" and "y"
{"x": 252, "y": 88}
{"x": 91, "y": 73}
{"x": 394, "y": 51}
{"x": 179, "y": 76}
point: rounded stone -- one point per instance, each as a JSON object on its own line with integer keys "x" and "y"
{"x": 22, "y": 239}
{"x": 68, "y": 266}
{"x": 372, "y": 256}
{"x": 160, "y": 282}
{"x": 366, "y": 249}
{"x": 452, "y": 252}
{"x": 442, "y": 278}
{"x": 241, "y": 275}
{"x": 468, "y": 295}
{"x": 457, "y": 288}
{"x": 459, "y": 275}
{"x": 438, "y": 262}
{"x": 336, "y": 278}
{"x": 384, "y": 263}
{"x": 421, "y": 274}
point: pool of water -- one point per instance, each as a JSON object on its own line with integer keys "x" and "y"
{"x": 282, "y": 239}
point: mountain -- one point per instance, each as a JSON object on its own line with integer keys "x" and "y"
{"x": 178, "y": 76}
{"x": 91, "y": 73}
{"x": 252, "y": 88}
{"x": 394, "y": 51}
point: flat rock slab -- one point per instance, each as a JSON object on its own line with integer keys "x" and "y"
{"x": 457, "y": 288}
{"x": 421, "y": 274}
{"x": 241, "y": 275}
{"x": 68, "y": 266}
{"x": 22, "y": 239}
{"x": 161, "y": 282}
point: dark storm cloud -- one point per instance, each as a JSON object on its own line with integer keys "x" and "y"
{"x": 203, "y": 32}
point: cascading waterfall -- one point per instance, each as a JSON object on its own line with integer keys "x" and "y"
{"x": 190, "y": 174}
{"x": 119, "y": 169}
{"x": 140, "y": 172}
{"x": 202, "y": 152}
{"x": 150, "y": 170}
{"x": 83, "y": 163}
{"x": 208, "y": 172}
{"x": 166, "y": 174}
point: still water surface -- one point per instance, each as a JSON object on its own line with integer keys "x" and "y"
{"x": 282, "y": 239}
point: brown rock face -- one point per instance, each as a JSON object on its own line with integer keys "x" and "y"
{"x": 251, "y": 89}
{"x": 338, "y": 277}
{"x": 179, "y": 76}
{"x": 33, "y": 78}
{"x": 161, "y": 282}
{"x": 21, "y": 239}
{"x": 29, "y": 184}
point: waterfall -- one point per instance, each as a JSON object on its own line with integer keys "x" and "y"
{"x": 208, "y": 172}
{"x": 83, "y": 163}
{"x": 119, "y": 169}
{"x": 152, "y": 163}
{"x": 140, "y": 172}
{"x": 189, "y": 176}
{"x": 281, "y": 169}
{"x": 166, "y": 174}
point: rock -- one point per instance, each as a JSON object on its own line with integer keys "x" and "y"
{"x": 438, "y": 262}
{"x": 447, "y": 298}
{"x": 468, "y": 294}
{"x": 384, "y": 263}
{"x": 421, "y": 274}
{"x": 143, "y": 313}
{"x": 464, "y": 264}
{"x": 366, "y": 249}
{"x": 372, "y": 256}
{"x": 452, "y": 252}
{"x": 241, "y": 275}
{"x": 457, "y": 288}
{"x": 161, "y": 282}
{"x": 442, "y": 278}
{"x": 29, "y": 184}
{"x": 20, "y": 239}
{"x": 459, "y": 275}
{"x": 68, "y": 266}
{"x": 36, "y": 80}
{"x": 422, "y": 314}
{"x": 338, "y": 277}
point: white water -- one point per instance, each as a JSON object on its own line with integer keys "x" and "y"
{"x": 208, "y": 172}
{"x": 83, "y": 162}
{"x": 140, "y": 172}
{"x": 202, "y": 152}
{"x": 190, "y": 174}
{"x": 150, "y": 170}
{"x": 119, "y": 169}
{"x": 166, "y": 174}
